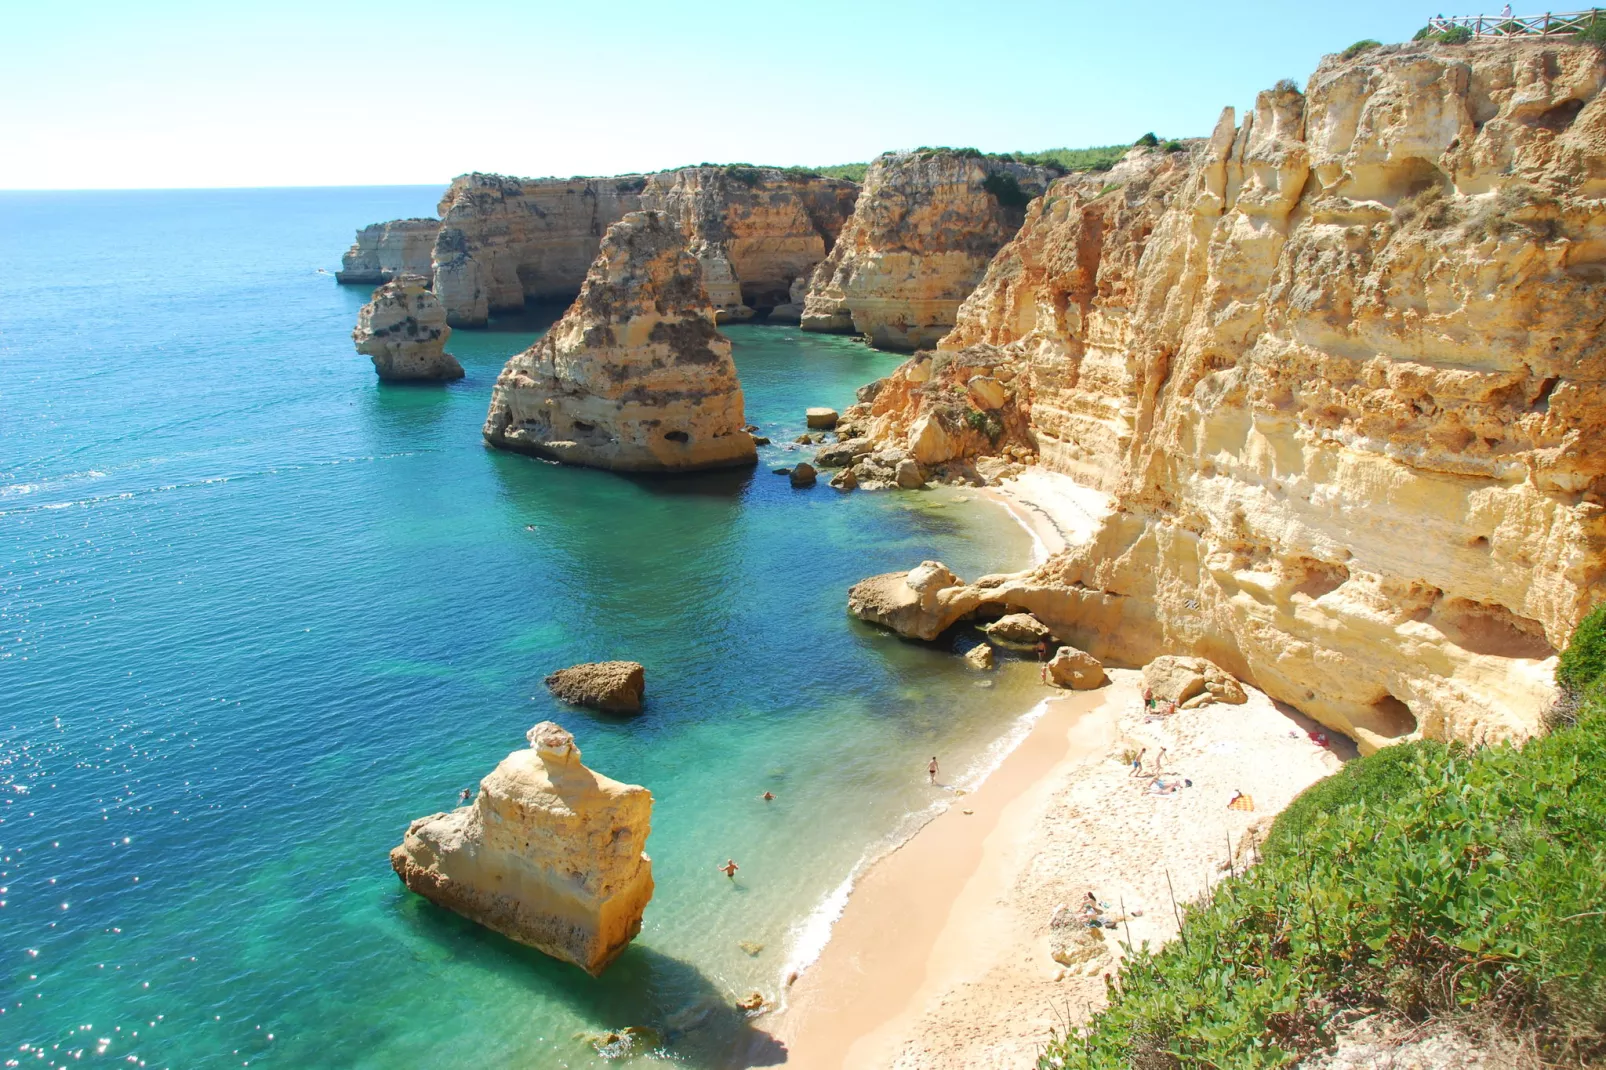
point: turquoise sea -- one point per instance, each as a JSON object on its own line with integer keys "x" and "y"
{"x": 257, "y": 611}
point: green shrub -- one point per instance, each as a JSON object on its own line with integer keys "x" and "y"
{"x": 1424, "y": 880}
{"x": 985, "y": 422}
{"x": 1358, "y": 47}
{"x": 853, "y": 172}
{"x": 1595, "y": 32}
{"x": 1147, "y": 141}
{"x": 746, "y": 174}
{"x": 1097, "y": 158}
{"x": 1006, "y": 190}
{"x": 1286, "y": 85}
{"x": 1453, "y": 35}
{"x": 1173, "y": 146}
{"x": 1583, "y": 664}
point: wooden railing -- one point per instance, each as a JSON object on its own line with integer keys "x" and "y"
{"x": 1546, "y": 25}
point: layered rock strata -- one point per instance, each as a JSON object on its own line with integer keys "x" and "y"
{"x": 403, "y": 329}
{"x": 384, "y": 251}
{"x": 549, "y": 854}
{"x": 504, "y": 241}
{"x": 501, "y": 242}
{"x": 922, "y": 232}
{"x": 635, "y": 376}
{"x": 1339, "y": 367}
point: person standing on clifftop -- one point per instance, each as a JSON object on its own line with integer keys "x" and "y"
{"x": 931, "y": 770}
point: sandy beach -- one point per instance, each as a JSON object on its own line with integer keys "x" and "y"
{"x": 945, "y": 955}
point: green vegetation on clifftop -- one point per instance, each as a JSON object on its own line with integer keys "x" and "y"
{"x": 1426, "y": 880}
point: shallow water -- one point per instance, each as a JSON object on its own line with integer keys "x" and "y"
{"x": 258, "y": 610}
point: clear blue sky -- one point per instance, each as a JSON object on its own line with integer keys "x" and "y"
{"x": 169, "y": 94}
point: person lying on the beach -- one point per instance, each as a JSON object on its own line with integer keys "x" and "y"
{"x": 1162, "y": 786}
{"x": 1240, "y": 801}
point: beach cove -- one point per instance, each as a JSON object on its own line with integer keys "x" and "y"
{"x": 260, "y": 611}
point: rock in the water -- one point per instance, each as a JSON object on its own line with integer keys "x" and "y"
{"x": 821, "y": 419}
{"x": 403, "y": 329}
{"x": 1020, "y": 630}
{"x": 910, "y": 603}
{"x": 1179, "y": 679}
{"x": 843, "y": 454}
{"x": 979, "y": 656}
{"x": 635, "y": 376}
{"x": 803, "y": 475}
{"x": 613, "y": 686}
{"x": 1075, "y": 669}
{"x": 549, "y": 854}
{"x": 845, "y": 480}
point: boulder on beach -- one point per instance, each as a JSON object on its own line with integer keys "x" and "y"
{"x": 549, "y": 854}
{"x": 611, "y": 686}
{"x": 1075, "y": 669}
{"x": 1019, "y": 630}
{"x": 1180, "y": 679}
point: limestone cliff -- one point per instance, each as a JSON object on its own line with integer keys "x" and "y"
{"x": 384, "y": 251}
{"x": 1339, "y": 369}
{"x": 507, "y": 240}
{"x": 549, "y": 854}
{"x": 755, "y": 229}
{"x": 635, "y": 376}
{"x": 404, "y": 330}
{"x": 921, "y": 234}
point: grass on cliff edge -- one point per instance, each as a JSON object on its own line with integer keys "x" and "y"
{"x": 1426, "y": 880}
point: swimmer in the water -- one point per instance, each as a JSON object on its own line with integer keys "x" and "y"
{"x": 729, "y": 868}
{"x": 768, "y": 796}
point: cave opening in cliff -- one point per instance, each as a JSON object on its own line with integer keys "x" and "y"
{"x": 1389, "y": 718}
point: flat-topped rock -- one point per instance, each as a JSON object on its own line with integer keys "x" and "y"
{"x": 611, "y": 686}
{"x": 549, "y": 854}
{"x": 1020, "y": 630}
{"x": 822, "y": 419}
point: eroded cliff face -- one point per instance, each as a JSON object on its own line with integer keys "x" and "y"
{"x": 504, "y": 241}
{"x": 756, "y": 229}
{"x": 403, "y": 329}
{"x": 635, "y": 376}
{"x": 384, "y": 251}
{"x": 549, "y": 854}
{"x": 1340, "y": 372}
{"x": 921, "y": 234}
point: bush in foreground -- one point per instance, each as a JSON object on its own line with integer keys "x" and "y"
{"x": 1425, "y": 880}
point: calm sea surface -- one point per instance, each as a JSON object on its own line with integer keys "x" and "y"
{"x": 257, "y": 611}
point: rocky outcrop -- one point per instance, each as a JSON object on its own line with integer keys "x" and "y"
{"x": 610, "y": 686}
{"x": 504, "y": 241}
{"x": 920, "y": 237}
{"x": 501, "y": 242}
{"x": 384, "y": 251}
{"x": 754, "y": 229}
{"x": 403, "y": 329}
{"x": 549, "y": 854}
{"x": 1075, "y": 669}
{"x": 634, "y": 377}
{"x": 1182, "y": 680}
{"x": 1339, "y": 366}
{"x": 791, "y": 310}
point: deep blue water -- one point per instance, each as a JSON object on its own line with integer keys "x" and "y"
{"x": 258, "y": 610}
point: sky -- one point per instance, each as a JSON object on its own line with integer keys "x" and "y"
{"x": 165, "y": 94}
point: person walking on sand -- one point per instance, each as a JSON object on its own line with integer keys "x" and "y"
{"x": 1137, "y": 763}
{"x": 931, "y": 770}
{"x": 1159, "y": 762}
{"x": 729, "y": 868}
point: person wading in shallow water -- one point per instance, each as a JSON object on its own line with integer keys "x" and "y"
{"x": 729, "y": 868}
{"x": 931, "y": 770}
{"x": 1042, "y": 659}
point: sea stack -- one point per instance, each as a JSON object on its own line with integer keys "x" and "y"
{"x": 635, "y": 377}
{"x": 404, "y": 330}
{"x": 549, "y": 854}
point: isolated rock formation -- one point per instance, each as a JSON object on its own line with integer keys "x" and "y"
{"x": 611, "y": 686}
{"x": 634, "y": 377}
{"x": 1178, "y": 679}
{"x": 922, "y": 232}
{"x": 404, "y": 330}
{"x": 1020, "y": 630}
{"x": 1075, "y": 669}
{"x": 910, "y": 603}
{"x": 979, "y": 656}
{"x": 384, "y": 251}
{"x": 1339, "y": 367}
{"x": 549, "y": 854}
